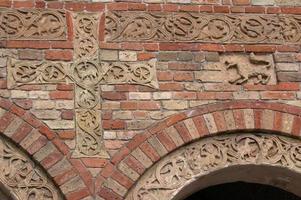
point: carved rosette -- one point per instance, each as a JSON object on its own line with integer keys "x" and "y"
{"x": 173, "y": 172}
{"x": 33, "y": 24}
{"x": 23, "y": 179}
{"x": 22, "y": 72}
{"x": 196, "y": 27}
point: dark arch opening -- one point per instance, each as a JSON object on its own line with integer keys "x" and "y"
{"x": 242, "y": 190}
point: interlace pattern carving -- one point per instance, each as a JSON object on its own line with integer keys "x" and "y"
{"x": 200, "y": 158}
{"x": 196, "y": 27}
{"x": 32, "y": 24}
{"x": 21, "y": 177}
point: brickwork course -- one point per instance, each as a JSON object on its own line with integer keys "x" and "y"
{"x": 204, "y": 84}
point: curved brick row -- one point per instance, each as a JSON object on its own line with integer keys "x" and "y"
{"x": 43, "y": 146}
{"x": 145, "y": 149}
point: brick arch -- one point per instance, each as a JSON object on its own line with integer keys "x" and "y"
{"x": 127, "y": 165}
{"x": 44, "y": 147}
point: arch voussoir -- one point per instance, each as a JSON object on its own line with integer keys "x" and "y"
{"x": 186, "y": 127}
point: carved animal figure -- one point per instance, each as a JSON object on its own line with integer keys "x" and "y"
{"x": 259, "y": 73}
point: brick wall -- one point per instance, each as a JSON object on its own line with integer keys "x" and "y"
{"x": 128, "y": 110}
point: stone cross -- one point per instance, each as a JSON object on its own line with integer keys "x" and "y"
{"x": 86, "y": 72}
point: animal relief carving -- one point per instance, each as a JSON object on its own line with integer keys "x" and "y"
{"x": 239, "y": 69}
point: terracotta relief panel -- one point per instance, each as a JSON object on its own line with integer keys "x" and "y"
{"x": 170, "y": 174}
{"x": 32, "y": 24}
{"x": 239, "y": 69}
{"x": 195, "y": 27}
{"x": 22, "y": 177}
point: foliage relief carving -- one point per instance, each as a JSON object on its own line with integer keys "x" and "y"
{"x": 170, "y": 174}
{"x": 196, "y": 27}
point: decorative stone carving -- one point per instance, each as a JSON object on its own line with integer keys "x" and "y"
{"x": 85, "y": 39}
{"x": 23, "y": 179}
{"x": 32, "y": 24}
{"x": 240, "y": 69}
{"x": 173, "y": 172}
{"x": 196, "y": 27}
{"x": 85, "y": 73}
{"x": 28, "y": 72}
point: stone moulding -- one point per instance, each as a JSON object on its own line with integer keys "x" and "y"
{"x": 175, "y": 171}
{"x": 32, "y": 24}
{"x": 21, "y": 177}
{"x": 196, "y": 27}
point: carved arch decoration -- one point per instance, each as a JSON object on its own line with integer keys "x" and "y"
{"x": 250, "y": 121}
{"x": 21, "y": 177}
{"x": 186, "y": 165}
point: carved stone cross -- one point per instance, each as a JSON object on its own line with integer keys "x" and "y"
{"x": 86, "y": 72}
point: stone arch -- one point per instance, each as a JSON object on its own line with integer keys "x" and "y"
{"x": 131, "y": 162}
{"x": 21, "y": 177}
{"x": 44, "y": 147}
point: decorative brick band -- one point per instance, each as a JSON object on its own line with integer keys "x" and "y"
{"x": 178, "y": 130}
{"x": 196, "y": 27}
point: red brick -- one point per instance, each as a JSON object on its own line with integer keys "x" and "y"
{"x": 113, "y": 124}
{"x": 184, "y": 95}
{"x": 277, "y": 95}
{"x": 145, "y": 56}
{"x": 24, "y": 103}
{"x": 61, "y": 146}
{"x": 117, "y": 6}
{"x": 154, "y": 7}
{"x": 171, "y": 86}
{"x": 61, "y": 95}
{"x": 234, "y": 48}
{"x": 241, "y": 2}
{"x": 64, "y": 87}
{"x": 28, "y": 44}
{"x": 24, "y": 4}
{"x": 166, "y": 141}
{"x": 5, "y": 3}
{"x": 183, "y": 131}
{"x": 131, "y": 46}
{"x": 260, "y": 48}
{"x": 114, "y": 95}
{"x": 136, "y": 6}
{"x": 40, "y": 4}
{"x": 291, "y": 10}
{"x": 17, "y": 110}
{"x": 75, "y": 6}
{"x": 149, "y": 151}
{"x": 46, "y": 131}
{"x": 212, "y": 47}
{"x": 104, "y": 45}
{"x": 208, "y": 9}
{"x": 164, "y": 76}
{"x": 189, "y": 8}
{"x": 122, "y": 179}
{"x": 239, "y": 119}
{"x": 296, "y": 126}
{"x": 63, "y": 44}
{"x": 94, "y": 162}
{"x": 255, "y": 9}
{"x": 148, "y": 105}
{"x": 108, "y": 194}
{"x": 95, "y": 7}
{"x": 170, "y": 7}
{"x": 67, "y": 114}
{"x": 183, "y": 66}
{"x": 220, "y": 121}
{"x": 67, "y": 134}
{"x": 257, "y": 118}
{"x": 3, "y": 84}
{"x": 128, "y": 105}
{"x": 79, "y": 194}
{"x": 221, "y": 9}
{"x": 51, "y": 159}
{"x": 288, "y": 48}
{"x": 283, "y": 86}
{"x": 65, "y": 55}
{"x": 62, "y": 178}
{"x": 273, "y": 10}
{"x": 183, "y": 76}
{"x": 135, "y": 164}
{"x": 237, "y": 9}
{"x": 277, "y": 121}
{"x": 151, "y": 46}
{"x": 201, "y": 125}
{"x": 23, "y": 130}
{"x": 5, "y": 120}
{"x": 37, "y": 145}
{"x": 55, "y": 5}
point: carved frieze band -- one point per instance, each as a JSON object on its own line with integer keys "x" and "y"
{"x": 173, "y": 172}
{"x": 32, "y": 24}
{"x": 20, "y": 176}
{"x": 238, "y": 69}
{"x": 196, "y": 27}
